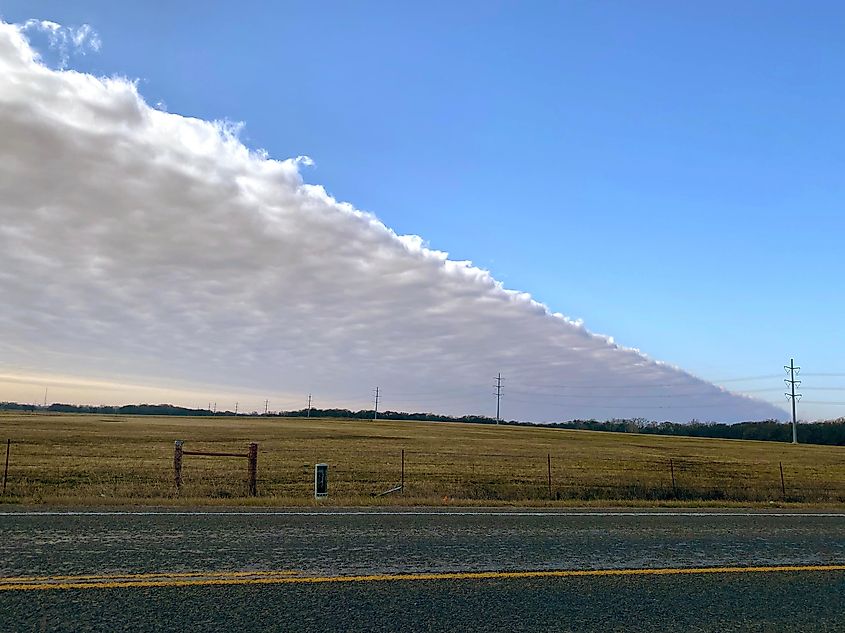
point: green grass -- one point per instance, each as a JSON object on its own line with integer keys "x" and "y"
{"x": 107, "y": 459}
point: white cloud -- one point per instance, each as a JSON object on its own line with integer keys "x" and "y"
{"x": 65, "y": 40}
{"x": 140, "y": 245}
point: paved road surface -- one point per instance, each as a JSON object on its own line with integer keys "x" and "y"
{"x": 266, "y": 571}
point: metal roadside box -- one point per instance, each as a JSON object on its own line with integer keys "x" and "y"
{"x": 321, "y": 480}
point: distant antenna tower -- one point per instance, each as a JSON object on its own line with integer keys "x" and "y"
{"x": 308, "y": 414}
{"x": 236, "y": 408}
{"x": 45, "y": 397}
{"x": 498, "y": 387}
{"x": 375, "y": 408}
{"x": 792, "y": 370}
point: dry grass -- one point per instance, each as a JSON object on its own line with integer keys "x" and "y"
{"x": 97, "y": 459}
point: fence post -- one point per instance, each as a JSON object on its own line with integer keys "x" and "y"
{"x": 782, "y": 484}
{"x": 6, "y": 470}
{"x": 550, "y": 474}
{"x": 177, "y": 464}
{"x": 672, "y": 470}
{"x": 402, "y": 480}
{"x": 253, "y": 468}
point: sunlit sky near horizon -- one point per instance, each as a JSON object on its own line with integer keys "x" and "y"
{"x": 670, "y": 174}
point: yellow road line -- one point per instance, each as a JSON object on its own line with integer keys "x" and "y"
{"x": 164, "y": 574}
{"x": 284, "y": 578}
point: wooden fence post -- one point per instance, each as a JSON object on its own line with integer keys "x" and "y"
{"x": 177, "y": 464}
{"x": 253, "y": 468}
{"x": 672, "y": 470}
{"x": 6, "y": 470}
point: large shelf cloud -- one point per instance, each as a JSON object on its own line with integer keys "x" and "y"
{"x": 140, "y": 245}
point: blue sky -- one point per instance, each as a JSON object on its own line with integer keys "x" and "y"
{"x": 672, "y": 175}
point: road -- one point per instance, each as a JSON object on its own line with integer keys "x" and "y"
{"x": 421, "y": 570}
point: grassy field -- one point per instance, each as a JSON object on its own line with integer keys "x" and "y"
{"x": 101, "y": 459}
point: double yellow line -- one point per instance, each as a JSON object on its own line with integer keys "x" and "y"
{"x": 285, "y": 577}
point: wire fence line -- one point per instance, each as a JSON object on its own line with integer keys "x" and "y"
{"x": 39, "y": 472}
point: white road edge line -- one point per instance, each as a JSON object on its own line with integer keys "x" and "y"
{"x": 308, "y": 513}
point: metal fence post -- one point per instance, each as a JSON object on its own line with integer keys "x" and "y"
{"x": 672, "y": 470}
{"x": 6, "y": 470}
{"x": 782, "y": 483}
{"x": 253, "y": 468}
{"x": 550, "y": 474}
{"x": 402, "y": 480}
{"x": 177, "y": 464}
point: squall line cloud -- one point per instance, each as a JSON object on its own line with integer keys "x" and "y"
{"x": 144, "y": 247}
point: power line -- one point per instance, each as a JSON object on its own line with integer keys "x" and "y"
{"x": 792, "y": 369}
{"x": 705, "y": 383}
{"x": 456, "y": 398}
{"x": 434, "y": 392}
{"x": 498, "y": 386}
{"x": 746, "y": 378}
{"x": 640, "y": 406}
{"x": 626, "y": 396}
{"x": 375, "y": 408}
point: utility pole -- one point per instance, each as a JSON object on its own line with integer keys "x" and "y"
{"x": 792, "y": 370}
{"x": 498, "y": 386}
{"x": 236, "y": 408}
{"x": 375, "y": 409}
{"x": 266, "y": 404}
{"x": 308, "y": 415}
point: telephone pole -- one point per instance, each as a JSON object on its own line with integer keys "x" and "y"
{"x": 375, "y": 408}
{"x": 308, "y": 415}
{"x": 498, "y": 386}
{"x": 793, "y": 370}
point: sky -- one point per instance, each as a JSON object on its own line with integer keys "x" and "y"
{"x": 666, "y": 175}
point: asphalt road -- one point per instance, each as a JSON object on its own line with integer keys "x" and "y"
{"x": 161, "y": 571}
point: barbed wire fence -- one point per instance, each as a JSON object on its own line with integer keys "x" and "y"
{"x": 35, "y": 471}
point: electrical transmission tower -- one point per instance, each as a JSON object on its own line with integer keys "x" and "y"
{"x": 498, "y": 387}
{"x": 308, "y": 414}
{"x": 375, "y": 408}
{"x": 793, "y": 371}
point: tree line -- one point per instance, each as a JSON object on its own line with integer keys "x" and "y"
{"x": 831, "y": 432}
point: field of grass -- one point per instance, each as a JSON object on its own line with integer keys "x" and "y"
{"x": 106, "y": 459}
